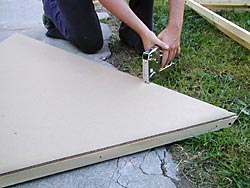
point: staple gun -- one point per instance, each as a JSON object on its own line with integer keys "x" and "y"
{"x": 151, "y": 63}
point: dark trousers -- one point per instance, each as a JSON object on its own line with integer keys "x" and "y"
{"x": 77, "y": 22}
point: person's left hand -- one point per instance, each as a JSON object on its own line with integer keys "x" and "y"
{"x": 171, "y": 37}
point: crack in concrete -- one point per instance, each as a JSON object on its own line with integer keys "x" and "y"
{"x": 120, "y": 164}
{"x": 121, "y": 184}
{"x": 140, "y": 166}
{"x": 112, "y": 177}
{"x": 163, "y": 165}
{"x": 163, "y": 169}
{"x": 118, "y": 172}
{"x": 19, "y": 29}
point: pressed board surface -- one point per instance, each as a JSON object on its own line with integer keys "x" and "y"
{"x": 55, "y": 106}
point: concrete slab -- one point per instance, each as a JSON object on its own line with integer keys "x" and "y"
{"x": 129, "y": 172}
{"x": 26, "y": 17}
{"x": 102, "y": 15}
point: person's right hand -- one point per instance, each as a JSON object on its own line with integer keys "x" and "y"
{"x": 171, "y": 36}
{"x": 149, "y": 39}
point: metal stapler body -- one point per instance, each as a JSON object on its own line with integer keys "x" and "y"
{"x": 151, "y": 63}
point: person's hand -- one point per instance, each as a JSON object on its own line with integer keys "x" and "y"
{"x": 171, "y": 37}
{"x": 149, "y": 40}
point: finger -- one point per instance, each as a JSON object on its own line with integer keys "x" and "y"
{"x": 175, "y": 53}
{"x": 164, "y": 58}
{"x": 178, "y": 51}
{"x": 170, "y": 56}
{"x": 162, "y": 44}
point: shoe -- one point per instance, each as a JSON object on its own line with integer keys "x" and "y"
{"x": 47, "y": 22}
{"x": 132, "y": 39}
{"x": 52, "y": 30}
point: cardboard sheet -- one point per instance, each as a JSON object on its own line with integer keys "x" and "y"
{"x": 59, "y": 111}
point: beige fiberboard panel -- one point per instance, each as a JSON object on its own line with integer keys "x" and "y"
{"x": 59, "y": 111}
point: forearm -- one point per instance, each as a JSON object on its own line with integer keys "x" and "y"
{"x": 121, "y": 10}
{"x": 171, "y": 35}
{"x": 176, "y": 13}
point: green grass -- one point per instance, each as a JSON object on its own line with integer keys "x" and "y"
{"x": 215, "y": 69}
{"x": 241, "y": 19}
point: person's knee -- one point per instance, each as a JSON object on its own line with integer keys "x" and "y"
{"x": 89, "y": 45}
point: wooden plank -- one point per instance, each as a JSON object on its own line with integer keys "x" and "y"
{"x": 224, "y": 2}
{"x": 59, "y": 111}
{"x": 242, "y": 8}
{"x": 237, "y": 33}
{"x": 238, "y": 5}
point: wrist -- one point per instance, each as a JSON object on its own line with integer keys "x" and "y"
{"x": 145, "y": 34}
{"x": 175, "y": 26}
